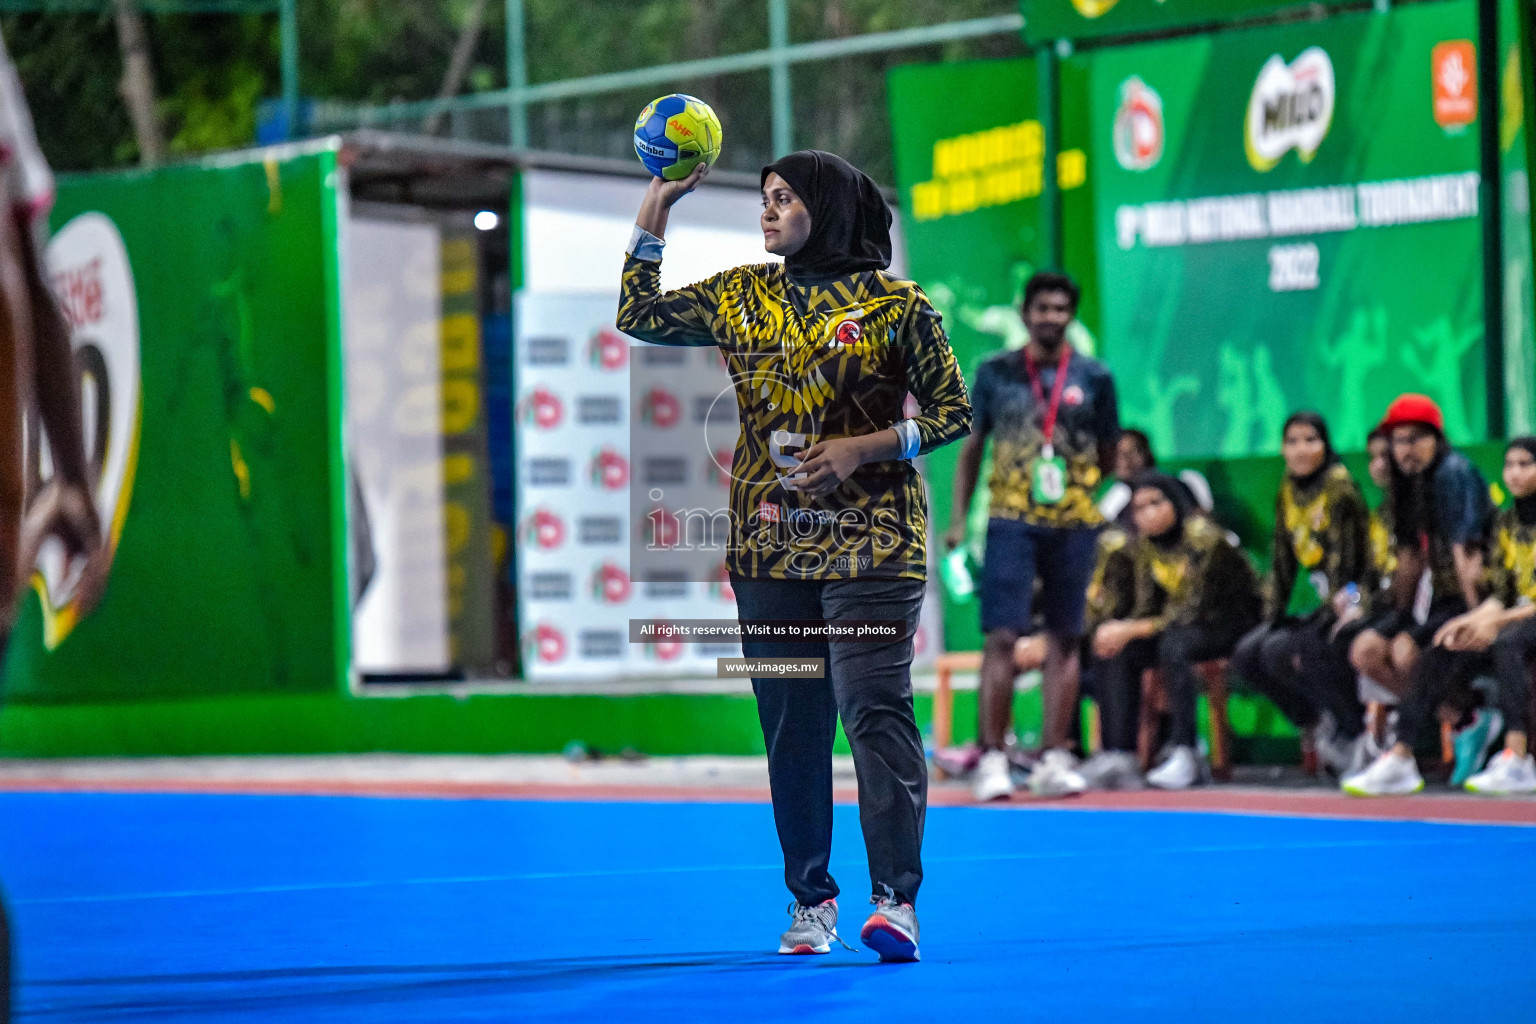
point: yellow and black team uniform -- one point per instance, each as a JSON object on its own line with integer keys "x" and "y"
{"x": 1442, "y": 676}
{"x": 1322, "y": 531}
{"x": 811, "y": 361}
{"x": 1034, "y": 531}
{"x": 1199, "y": 589}
{"x": 827, "y": 345}
{"x": 1111, "y": 596}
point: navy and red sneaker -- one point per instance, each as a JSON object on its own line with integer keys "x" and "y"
{"x": 891, "y": 931}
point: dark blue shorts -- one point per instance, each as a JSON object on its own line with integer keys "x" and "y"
{"x": 1018, "y": 552}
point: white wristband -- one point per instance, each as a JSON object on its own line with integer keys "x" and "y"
{"x": 911, "y": 438}
{"x": 645, "y": 246}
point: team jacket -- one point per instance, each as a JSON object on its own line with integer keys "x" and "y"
{"x": 1323, "y": 530}
{"x": 810, "y": 363}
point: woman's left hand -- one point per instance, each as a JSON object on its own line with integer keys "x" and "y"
{"x": 825, "y": 465}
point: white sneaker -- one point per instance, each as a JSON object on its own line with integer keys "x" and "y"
{"x": 1180, "y": 771}
{"x": 1389, "y": 775}
{"x": 1362, "y": 754}
{"x": 1056, "y": 775}
{"x": 1112, "y": 769}
{"x": 1505, "y": 774}
{"x": 992, "y": 780}
{"x": 1332, "y": 749}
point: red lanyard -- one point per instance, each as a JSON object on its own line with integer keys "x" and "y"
{"x": 1049, "y": 426}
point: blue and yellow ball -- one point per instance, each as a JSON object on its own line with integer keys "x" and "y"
{"x": 673, "y": 134}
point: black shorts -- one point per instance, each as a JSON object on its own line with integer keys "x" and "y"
{"x": 1017, "y": 552}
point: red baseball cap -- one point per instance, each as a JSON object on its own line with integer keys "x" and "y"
{"x": 1413, "y": 408}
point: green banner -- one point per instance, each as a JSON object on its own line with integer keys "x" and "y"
{"x": 205, "y": 310}
{"x": 1047, "y": 20}
{"x": 1515, "y": 143}
{"x": 1285, "y": 218}
{"x": 970, "y": 176}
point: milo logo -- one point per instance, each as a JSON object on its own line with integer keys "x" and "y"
{"x": 94, "y": 282}
{"x": 1291, "y": 107}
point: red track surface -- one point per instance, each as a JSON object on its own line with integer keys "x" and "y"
{"x": 1223, "y": 800}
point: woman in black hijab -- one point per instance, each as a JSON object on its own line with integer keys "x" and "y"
{"x": 1322, "y": 535}
{"x": 828, "y": 516}
{"x": 1195, "y": 596}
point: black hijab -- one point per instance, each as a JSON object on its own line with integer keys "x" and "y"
{"x": 1178, "y": 496}
{"x": 1317, "y": 423}
{"x": 850, "y": 222}
{"x": 1525, "y": 508}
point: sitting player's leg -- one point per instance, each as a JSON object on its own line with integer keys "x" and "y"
{"x": 1513, "y": 770}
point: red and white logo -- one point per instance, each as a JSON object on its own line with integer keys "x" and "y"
{"x": 608, "y": 349}
{"x": 1453, "y": 67}
{"x": 544, "y": 529}
{"x": 719, "y": 467}
{"x": 1073, "y": 395}
{"x": 546, "y": 643}
{"x": 768, "y": 512}
{"x": 610, "y": 584}
{"x": 609, "y": 470}
{"x": 661, "y": 408}
{"x": 542, "y": 408}
{"x": 849, "y": 332}
{"x": 1138, "y": 126}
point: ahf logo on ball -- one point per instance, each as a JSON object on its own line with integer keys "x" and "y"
{"x": 1291, "y": 107}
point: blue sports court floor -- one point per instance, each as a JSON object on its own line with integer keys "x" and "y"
{"x": 182, "y": 907}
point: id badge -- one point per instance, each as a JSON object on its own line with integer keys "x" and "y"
{"x": 1048, "y": 479}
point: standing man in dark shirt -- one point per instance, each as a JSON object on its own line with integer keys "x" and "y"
{"x": 1054, "y": 423}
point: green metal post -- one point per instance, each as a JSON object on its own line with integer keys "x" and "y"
{"x": 1492, "y": 209}
{"x": 289, "y": 33}
{"x": 517, "y": 74}
{"x": 1050, "y": 191}
{"x": 783, "y": 109}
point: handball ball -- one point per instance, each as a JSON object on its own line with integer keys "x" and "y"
{"x": 674, "y": 133}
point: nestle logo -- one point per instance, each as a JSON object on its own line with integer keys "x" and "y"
{"x": 599, "y": 409}
{"x": 547, "y": 351}
{"x": 600, "y": 529}
{"x": 668, "y": 470}
{"x": 550, "y": 586}
{"x": 549, "y": 472}
{"x": 601, "y": 643}
{"x": 660, "y": 584}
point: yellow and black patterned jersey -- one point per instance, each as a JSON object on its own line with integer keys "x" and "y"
{"x": 1008, "y": 412}
{"x": 1383, "y": 546}
{"x": 811, "y": 363}
{"x": 1201, "y": 579}
{"x": 1112, "y": 590}
{"x": 1324, "y": 531}
{"x": 1512, "y": 565}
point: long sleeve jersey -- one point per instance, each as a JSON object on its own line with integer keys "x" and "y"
{"x": 1200, "y": 580}
{"x": 1323, "y": 530}
{"x": 832, "y": 359}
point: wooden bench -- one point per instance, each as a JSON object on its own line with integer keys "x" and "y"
{"x": 944, "y": 668}
{"x": 1154, "y": 703}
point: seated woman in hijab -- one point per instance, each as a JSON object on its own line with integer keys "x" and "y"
{"x": 1195, "y": 597}
{"x": 1498, "y": 637}
{"x": 1322, "y": 529}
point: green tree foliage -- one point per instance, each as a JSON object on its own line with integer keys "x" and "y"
{"x": 213, "y": 71}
